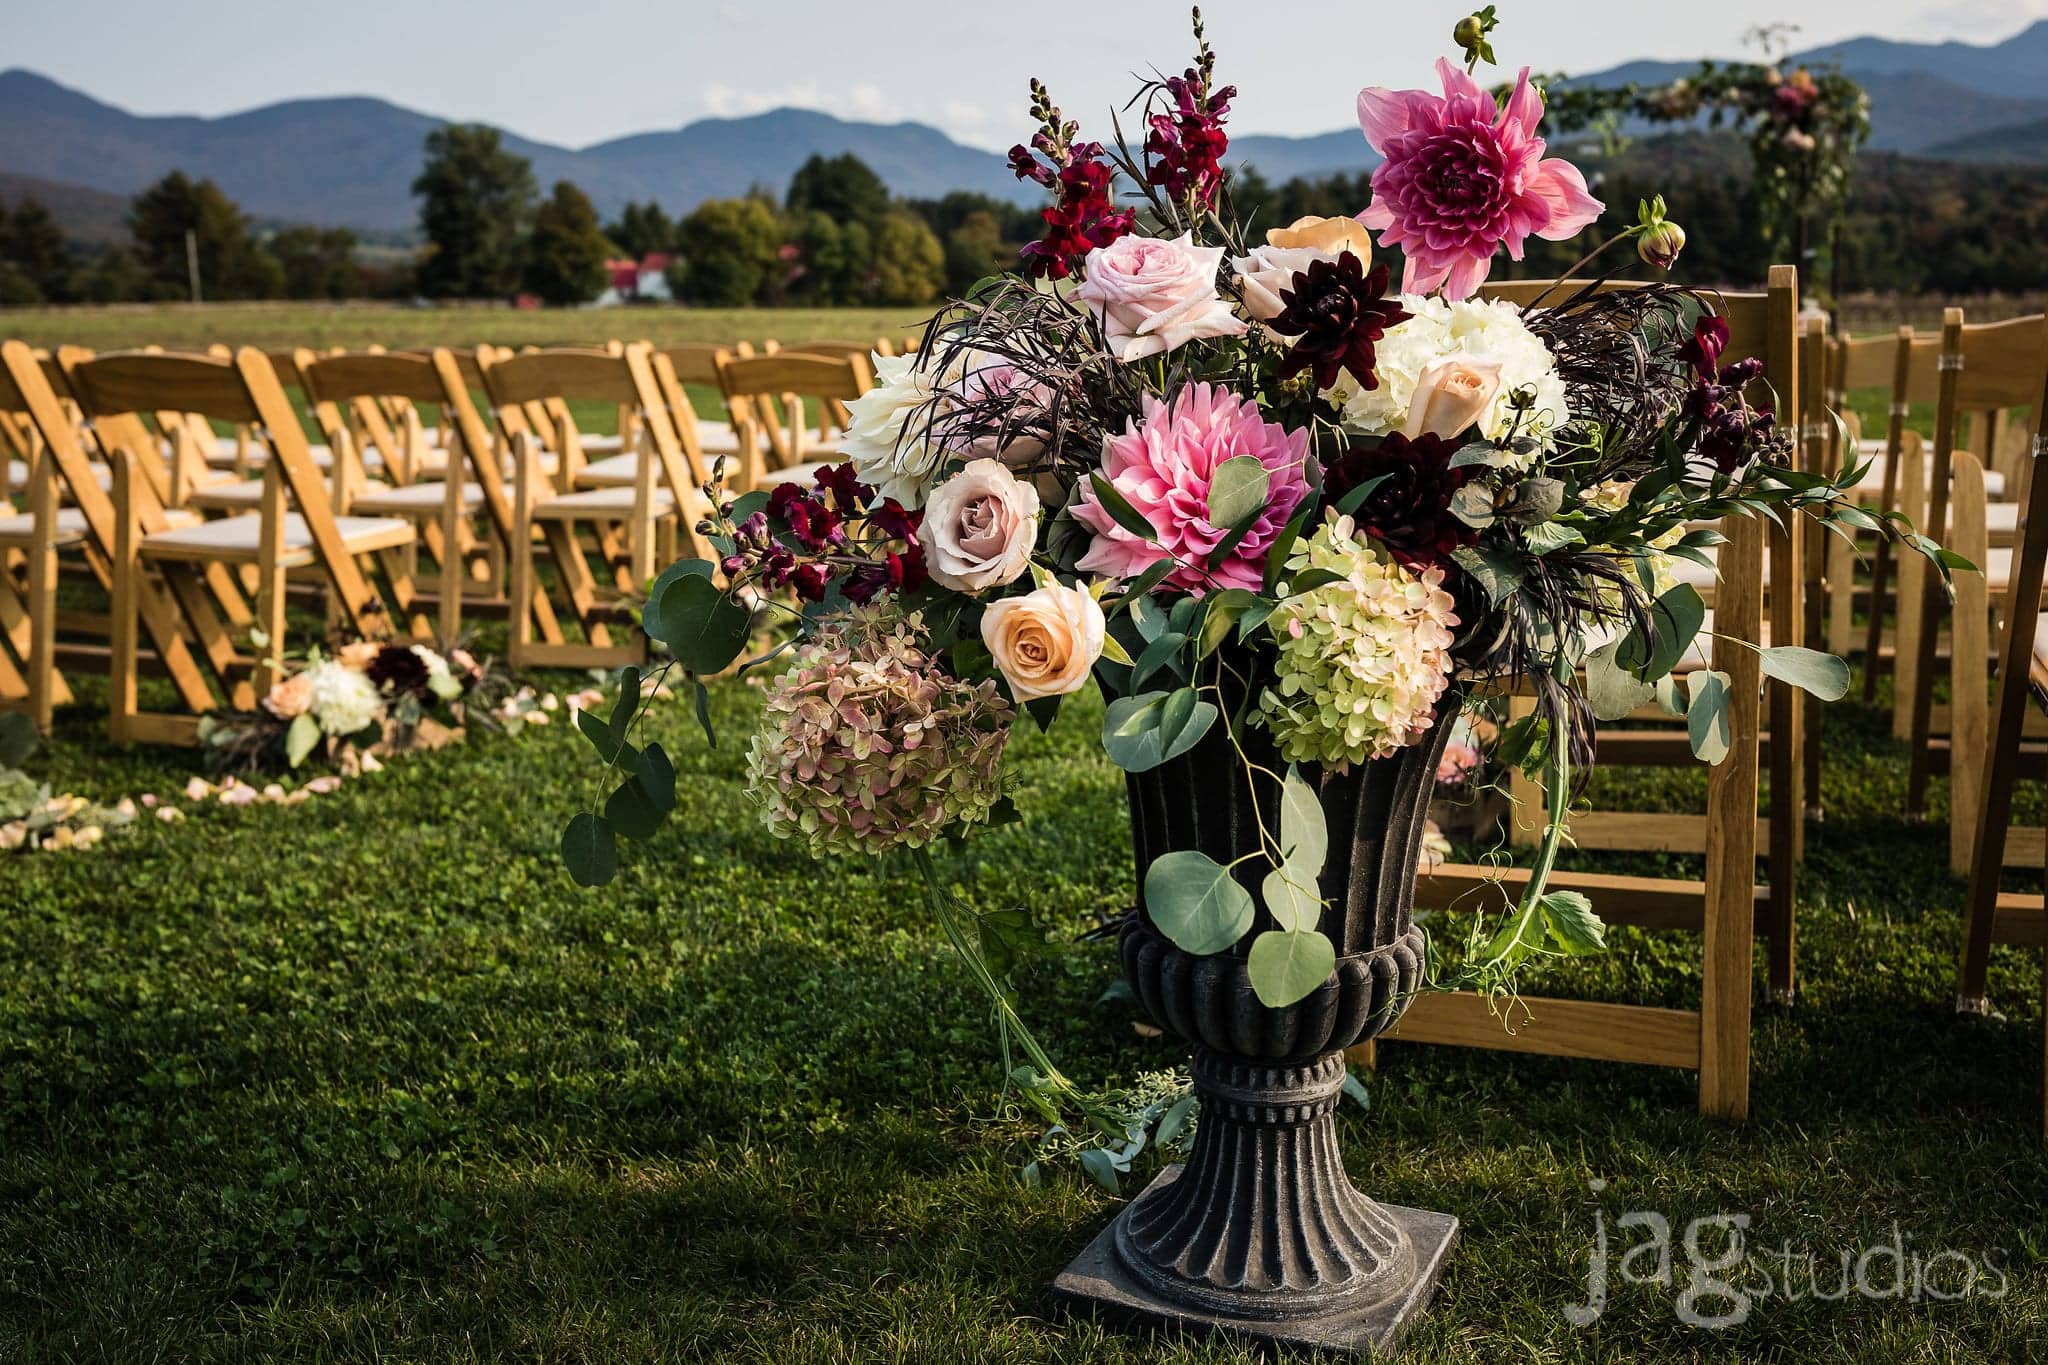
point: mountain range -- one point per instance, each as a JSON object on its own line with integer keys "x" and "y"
{"x": 351, "y": 161}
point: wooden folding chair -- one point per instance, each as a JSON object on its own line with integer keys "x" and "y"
{"x": 1993, "y": 915}
{"x": 1989, "y": 369}
{"x": 29, "y": 542}
{"x": 767, "y": 396}
{"x": 633, "y": 524}
{"x": 1714, "y": 1038}
{"x": 347, "y": 391}
{"x": 294, "y": 527}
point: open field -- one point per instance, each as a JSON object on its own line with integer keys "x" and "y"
{"x": 184, "y": 326}
{"x": 370, "y": 1079}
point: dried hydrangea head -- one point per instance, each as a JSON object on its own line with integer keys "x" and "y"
{"x": 867, "y": 745}
{"x": 1362, "y": 660}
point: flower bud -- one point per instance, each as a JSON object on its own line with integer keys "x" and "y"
{"x": 1468, "y": 33}
{"x": 1660, "y": 245}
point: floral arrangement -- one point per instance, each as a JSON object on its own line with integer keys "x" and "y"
{"x": 366, "y": 699}
{"x": 1194, "y": 465}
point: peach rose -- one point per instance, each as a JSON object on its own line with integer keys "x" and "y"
{"x": 358, "y": 656}
{"x": 979, "y": 527}
{"x": 1450, "y": 394}
{"x": 289, "y": 699}
{"x": 1268, "y": 272}
{"x": 1045, "y": 641}
{"x": 1154, "y": 294}
{"x": 1325, "y": 236}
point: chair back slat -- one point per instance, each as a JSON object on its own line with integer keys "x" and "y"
{"x": 339, "y": 378}
{"x": 141, "y": 381}
{"x": 810, "y": 376}
{"x": 564, "y": 372}
{"x": 2002, "y": 364}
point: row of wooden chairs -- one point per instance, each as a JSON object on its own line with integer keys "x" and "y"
{"x": 199, "y": 541}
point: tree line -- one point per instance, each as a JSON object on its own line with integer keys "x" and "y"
{"x": 837, "y": 236}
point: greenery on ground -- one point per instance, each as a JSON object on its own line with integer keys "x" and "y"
{"x": 368, "y": 1078}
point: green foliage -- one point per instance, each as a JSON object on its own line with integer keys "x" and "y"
{"x": 843, "y": 188}
{"x": 231, "y": 265}
{"x": 909, "y": 264}
{"x": 317, "y": 263}
{"x": 729, "y": 252}
{"x": 642, "y": 229}
{"x": 566, "y": 254}
{"x": 476, "y": 203}
{"x": 1193, "y": 900}
{"x": 33, "y": 251}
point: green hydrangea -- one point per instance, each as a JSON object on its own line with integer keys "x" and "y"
{"x": 1362, "y": 660}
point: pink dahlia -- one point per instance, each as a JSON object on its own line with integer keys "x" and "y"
{"x": 1163, "y": 463}
{"x": 1462, "y": 178}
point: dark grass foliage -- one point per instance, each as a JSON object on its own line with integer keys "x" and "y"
{"x": 370, "y": 1079}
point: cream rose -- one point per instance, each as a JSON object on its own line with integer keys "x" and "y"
{"x": 1325, "y": 236}
{"x": 289, "y": 699}
{"x": 1154, "y": 294}
{"x": 1450, "y": 394}
{"x": 1045, "y": 641}
{"x": 1268, "y": 272}
{"x": 980, "y": 527}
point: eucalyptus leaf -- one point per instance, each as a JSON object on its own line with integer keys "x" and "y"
{"x": 657, "y": 777}
{"x": 702, "y": 627}
{"x": 589, "y": 850}
{"x": 1237, "y": 492}
{"x": 1706, "y": 715}
{"x": 1304, "y": 830}
{"x": 1611, "y": 690}
{"x": 1286, "y": 967}
{"x": 1292, "y": 904}
{"x": 1120, "y": 510}
{"x": 1175, "y": 1119}
{"x": 631, "y": 812}
{"x": 1496, "y": 572}
{"x": 1195, "y": 902}
{"x": 1101, "y": 1168}
{"x": 1675, "y": 618}
{"x": 1810, "y": 670}
{"x": 298, "y": 741}
{"x": 18, "y": 739}
{"x": 1159, "y": 654}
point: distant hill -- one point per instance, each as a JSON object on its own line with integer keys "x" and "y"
{"x": 350, "y": 161}
{"x": 87, "y": 215}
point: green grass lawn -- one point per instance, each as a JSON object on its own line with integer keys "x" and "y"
{"x": 370, "y": 1078}
{"x": 271, "y": 326}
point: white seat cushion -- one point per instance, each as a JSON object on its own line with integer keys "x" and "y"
{"x": 19, "y": 529}
{"x": 618, "y": 471}
{"x": 17, "y": 477}
{"x": 1872, "y": 484}
{"x": 242, "y": 538}
{"x": 415, "y": 500}
{"x": 601, "y": 504}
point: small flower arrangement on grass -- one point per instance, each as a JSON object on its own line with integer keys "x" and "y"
{"x": 1194, "y": 464}
{"x": 364, "y": 700}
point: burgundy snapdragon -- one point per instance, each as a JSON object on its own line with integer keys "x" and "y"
{"x": 1083, "y": 214}
{"x": 1184, "y": 150}
{"x": 1732, "y": 433}
{"x": 834, "y": 530}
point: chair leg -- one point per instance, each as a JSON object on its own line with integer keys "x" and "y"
{"x": 452, "y": 564}
{"x": 42, "y": 598}
{"x": 121, "y": 699}
{"x": 521, "y": 586}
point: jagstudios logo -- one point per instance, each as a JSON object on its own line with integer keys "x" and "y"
{"x": 1718, "y": 1278}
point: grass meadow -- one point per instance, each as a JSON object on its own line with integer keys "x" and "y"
{"x": 370, "y": 1079}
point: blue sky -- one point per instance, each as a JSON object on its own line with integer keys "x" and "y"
{"x": 581, "y": 72}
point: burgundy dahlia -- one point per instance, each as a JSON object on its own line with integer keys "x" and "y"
{"x": 398, "y": 671}
{"x": 1334, "y": 313}
{"x": 1409, "y": 512}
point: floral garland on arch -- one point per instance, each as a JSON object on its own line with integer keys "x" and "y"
{"x": 1175, "y": 457}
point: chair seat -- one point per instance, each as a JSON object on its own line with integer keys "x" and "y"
{"x": 600, "y": 444}
{"x": 617, "y": 471}
{"x": 241, "y": 538}
{"x": 18, "y": 531}
{"x": 238, "y": 495}
{"x": 223, "y": 455}
{"x": 601, "y": 504}
{"x": 796, "y": 473}
{"x": 415, "y": 500}
{"x": 17, "y": 477}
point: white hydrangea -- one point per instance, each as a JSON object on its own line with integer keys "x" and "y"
{"x": 441, "y": 680}
{"x": 901, "y": 466}
{"x": 1480, "y": 328}
{"x": 344, "y": 701}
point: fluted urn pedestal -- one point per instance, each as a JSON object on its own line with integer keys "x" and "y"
{"x": 1261, "y": 1234}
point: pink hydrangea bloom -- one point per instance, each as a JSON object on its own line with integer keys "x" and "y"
{"x": 1163, "y": 463}
{"x": 1463, "y": 178}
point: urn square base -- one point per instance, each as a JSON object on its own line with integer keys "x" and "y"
{"x": 1096, "y": 1282}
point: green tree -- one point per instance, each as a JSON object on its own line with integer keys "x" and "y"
{"x": 231, "y": 265}
{"x": 476, "y": 202}
{"x": 910, "y": 265}
{"x": 840, "y": 187}
{"x": 642, "y": 229}
{"x": 835, "y": 260}
{"x": 565, "y": 258}
{"x": 112, "y": 276}
{"x": 17, "y": 290}
{"x": 33, "y": 244}
{"x": 730, "y": 253}
{"x": 975, "y": 249}
{"x": 317, "y": 263}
